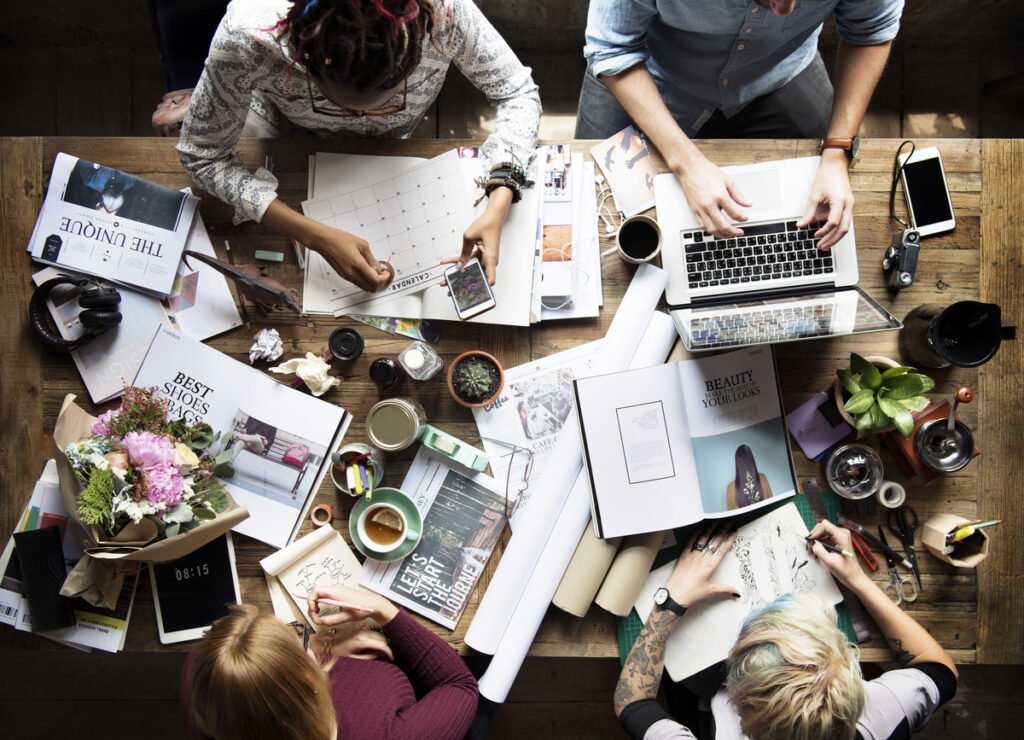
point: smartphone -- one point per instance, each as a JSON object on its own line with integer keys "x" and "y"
{"x": 924, "y": 185}
{"x": 193, "y": 591}
{"x": 469, "y": 289}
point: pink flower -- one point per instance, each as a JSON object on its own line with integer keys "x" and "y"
{"x": 163, "y": 485}
{"x": 99, "y": 427}
{"x": 148, "y": 450}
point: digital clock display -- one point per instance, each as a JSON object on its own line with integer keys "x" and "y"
{"x": 197, "y": 589}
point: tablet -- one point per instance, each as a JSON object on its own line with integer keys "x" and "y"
{"x": 193, "y": 591}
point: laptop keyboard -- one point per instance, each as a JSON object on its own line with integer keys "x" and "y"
{"x": 765, "y": 252}
{"x": 755, "y": 327}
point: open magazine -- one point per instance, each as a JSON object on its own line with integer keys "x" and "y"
{"x": 279, "y": 438}
{"x": 670, "y": 445}
{"x": 463, "y": 517}
{"x": 108, "y": 223}
{"x": 94, "y": 628}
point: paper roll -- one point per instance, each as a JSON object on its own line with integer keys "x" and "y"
{"x": 629, "y": 571}
{"x": 588, "y": 567}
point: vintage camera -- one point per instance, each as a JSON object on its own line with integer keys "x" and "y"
{"x": 900, "y": 261}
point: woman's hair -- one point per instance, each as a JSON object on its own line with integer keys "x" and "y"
{"x": 793, "y": 675}
{"x": 369, "y": 45}
{"x": 250, "y": 677}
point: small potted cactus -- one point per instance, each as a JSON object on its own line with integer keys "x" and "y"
{"x": 475, "y": 378}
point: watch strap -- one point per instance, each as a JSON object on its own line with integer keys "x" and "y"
{"x": 836, "y": 142}
{"x": 671, "y": 604}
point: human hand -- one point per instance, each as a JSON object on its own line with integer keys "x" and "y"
{"x": 357, "y": 642}
{"x": 170, "y": 112}
{"x": 380, "y": 609}
{"x": 483, "y": 237}
{"x": 690, "y": 581}
{"x": 709, "y": 192}
{"x": 847, "y": 570}
{"x": 831, "y": 193}
{"x": 350, "y": 257}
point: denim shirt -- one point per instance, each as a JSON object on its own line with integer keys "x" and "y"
{"x": 709, "y": 55}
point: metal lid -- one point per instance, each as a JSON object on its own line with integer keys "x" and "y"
{"x": 392, "y": 425}
{"x": 941, "y": 449}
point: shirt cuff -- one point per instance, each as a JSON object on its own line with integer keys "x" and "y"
{"x": 636, "y": 718}
{"x": 613, "y": 65}
{"x": 944, "y": 680}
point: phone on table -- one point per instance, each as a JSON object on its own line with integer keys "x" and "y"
{"x": 469, "y": 289}
{"x": 193, "y": 591}
{"x": 924, "y": 185}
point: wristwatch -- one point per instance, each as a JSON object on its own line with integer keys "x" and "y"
{"x": 664, "y": 601}
{"x": 850, "y": 146}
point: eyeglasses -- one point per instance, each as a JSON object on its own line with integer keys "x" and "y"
{"x": 339, "y": 112}
{"x": 302, "y": 632}
{"x": 521, "y": 484}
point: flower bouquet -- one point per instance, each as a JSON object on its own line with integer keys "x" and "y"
{"x": 143, "y": 486}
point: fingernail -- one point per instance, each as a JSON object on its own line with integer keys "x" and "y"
{"x": 736, "y": 596}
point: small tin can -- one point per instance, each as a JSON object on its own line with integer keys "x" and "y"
{"x": 395, "y": 423}
{"x": 348, "y": 452}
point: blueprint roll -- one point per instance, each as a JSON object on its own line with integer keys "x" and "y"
{"x": 586, "y": 571}
{"x": 629, "y": 571}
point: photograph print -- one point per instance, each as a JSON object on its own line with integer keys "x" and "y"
{"x": 113, "y": 192}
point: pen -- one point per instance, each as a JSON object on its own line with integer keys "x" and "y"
{"x": 339, "y": 604}
{"x": 831, "y": 548}
{"x": 962, "y": 533}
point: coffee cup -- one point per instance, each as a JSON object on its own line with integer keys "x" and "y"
{"x": 383, "y": 527}
{"x": 638, "y": 239}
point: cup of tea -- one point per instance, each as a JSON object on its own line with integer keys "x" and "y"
{"x": 639, "y": 239}
{"x": 384, "y": 527}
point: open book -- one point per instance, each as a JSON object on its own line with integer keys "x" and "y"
{"x": 278, "y": 437}
{"x": 113, "y": 225}
{"x": 670, "y": 445}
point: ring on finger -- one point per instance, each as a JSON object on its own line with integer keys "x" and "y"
{"x": 699, "y": 546}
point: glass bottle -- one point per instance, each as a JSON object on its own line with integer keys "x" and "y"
{"x": 420, "y": 361}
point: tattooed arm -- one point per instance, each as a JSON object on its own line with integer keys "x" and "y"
{"x": 641, "y": 673}
{"x": 909, "y": 641}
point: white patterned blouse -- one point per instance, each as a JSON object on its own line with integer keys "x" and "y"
{"x": 248, "y": 67}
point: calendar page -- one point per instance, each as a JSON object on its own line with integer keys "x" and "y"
{"x": 412, "y": 221}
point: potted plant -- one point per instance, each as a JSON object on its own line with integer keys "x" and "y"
{"x": 880, "y": 394}
{"x": 475, "y": 378}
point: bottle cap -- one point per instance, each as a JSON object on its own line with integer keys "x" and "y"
{"x": 414, "y": 358}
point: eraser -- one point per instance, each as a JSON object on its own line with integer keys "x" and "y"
{"x": 268, "y": 256}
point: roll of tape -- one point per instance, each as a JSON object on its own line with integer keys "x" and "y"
{"x": 321, "y": 514}
{"x": 891, "y": 494}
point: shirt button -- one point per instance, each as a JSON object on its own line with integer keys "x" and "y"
{"x": 725, "y": 82}
{"x": 741, "y": 47}
{"x": 748, "y": 29}
{"x": 755, "y": 10}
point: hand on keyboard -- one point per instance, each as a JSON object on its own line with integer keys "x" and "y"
{"x": 709, "y": 192}
{"x": 830, "y": 193}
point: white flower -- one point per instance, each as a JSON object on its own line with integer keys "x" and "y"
{"x": 182, "y": 513}
{"x": 135, "y": 510}
{"x": 98, "y": 461}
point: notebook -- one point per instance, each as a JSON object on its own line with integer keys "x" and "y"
{"x": 772, "y": 284}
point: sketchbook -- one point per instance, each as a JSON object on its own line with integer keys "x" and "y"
{"x": 108, "y": 223}
{"x": 278, "y": 437}
{"x": 767, "y": 560}
{"x": 673, "y": 444}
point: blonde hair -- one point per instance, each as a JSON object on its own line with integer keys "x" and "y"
{"x": 250, "y": 677}
{"x": 793, "y": 675}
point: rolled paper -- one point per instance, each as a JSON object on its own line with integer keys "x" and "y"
{"x": 629, "y": 571}
{"x": 586, "y": 571}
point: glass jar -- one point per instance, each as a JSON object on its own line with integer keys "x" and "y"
{"x": 420, "y": 361}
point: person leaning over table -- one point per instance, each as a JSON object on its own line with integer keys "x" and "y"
{"x": 792, "y": 674}
{"x": 351, "y": 68}
{"x": 251, "y": 678}
{"x": 736, "y": 70}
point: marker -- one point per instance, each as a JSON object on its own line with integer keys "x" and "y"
{"x": 966, "y": 531}
{"x": 339, "y": 604}
{"x": 369, "y": 490}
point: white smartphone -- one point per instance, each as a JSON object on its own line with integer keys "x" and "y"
{"x": 193, "y": 591}
{"x": 469, "y": 289}
{"x": 924, "y": 185}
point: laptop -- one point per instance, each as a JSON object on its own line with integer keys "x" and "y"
{"x": 772, "y": 284}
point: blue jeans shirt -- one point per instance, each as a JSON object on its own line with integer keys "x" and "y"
{"x": 708, "y": 55}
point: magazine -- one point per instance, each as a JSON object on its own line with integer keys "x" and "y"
{"x": 670, "y": 445}
{"x": 768, "y": 559}
{"x": 278, "y": 437}
{"x": 200, "y": 305}
{"x": 463, "y": 517}
{"x": 625, "y": 159}
{"x": 108, "y": 223}
{"x": 95, "y": 628}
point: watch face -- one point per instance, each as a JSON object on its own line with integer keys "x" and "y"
{"x": 660, "y": 596}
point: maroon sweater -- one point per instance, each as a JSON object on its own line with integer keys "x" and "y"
{"x": 426, "y": 693}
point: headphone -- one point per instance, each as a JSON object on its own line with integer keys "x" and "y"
{"x": 99, "y": 312}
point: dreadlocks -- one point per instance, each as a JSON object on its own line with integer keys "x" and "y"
{"x": 369, "y": 45}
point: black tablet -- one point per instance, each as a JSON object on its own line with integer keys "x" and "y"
{"x": 193, "y": 591}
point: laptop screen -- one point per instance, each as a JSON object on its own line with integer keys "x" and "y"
{"x": 826, "y": 313}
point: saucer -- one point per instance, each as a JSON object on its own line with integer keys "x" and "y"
{"x": 401, "y": 502}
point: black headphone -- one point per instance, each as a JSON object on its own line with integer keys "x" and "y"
{"x": 99, "y": 312}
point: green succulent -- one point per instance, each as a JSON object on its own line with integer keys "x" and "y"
{"x": 475, "y": 379}
{"x": 878, "y": 399}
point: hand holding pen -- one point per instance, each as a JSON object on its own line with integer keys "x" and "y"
{"x": 832, "y": 546}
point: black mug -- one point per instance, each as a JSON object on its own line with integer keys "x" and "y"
{"x": 965, "y": 334}
{"x": 639, "y": 239}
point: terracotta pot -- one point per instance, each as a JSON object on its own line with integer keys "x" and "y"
{"x": 492, "y": 360}
{"x": 839, "y": 394}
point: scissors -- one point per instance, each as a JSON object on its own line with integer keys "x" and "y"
{"x": 898, "y": 589}
{"x": 905, "y": 519}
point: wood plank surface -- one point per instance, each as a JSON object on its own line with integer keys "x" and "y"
{"x": 949, "y": 270}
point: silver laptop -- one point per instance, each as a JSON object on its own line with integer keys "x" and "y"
{"x": 770, "y": 285}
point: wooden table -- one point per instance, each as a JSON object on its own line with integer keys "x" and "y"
{"x": 975, "y": 614}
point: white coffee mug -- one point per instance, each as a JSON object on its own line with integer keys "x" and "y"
{"x": 638, "y": 239}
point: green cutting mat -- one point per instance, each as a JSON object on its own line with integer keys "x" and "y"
{"x": 629, "y": 627}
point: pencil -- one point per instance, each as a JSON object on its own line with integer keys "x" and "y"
{"x": 831, "y": 548}
{"x": 339, "y": 604}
